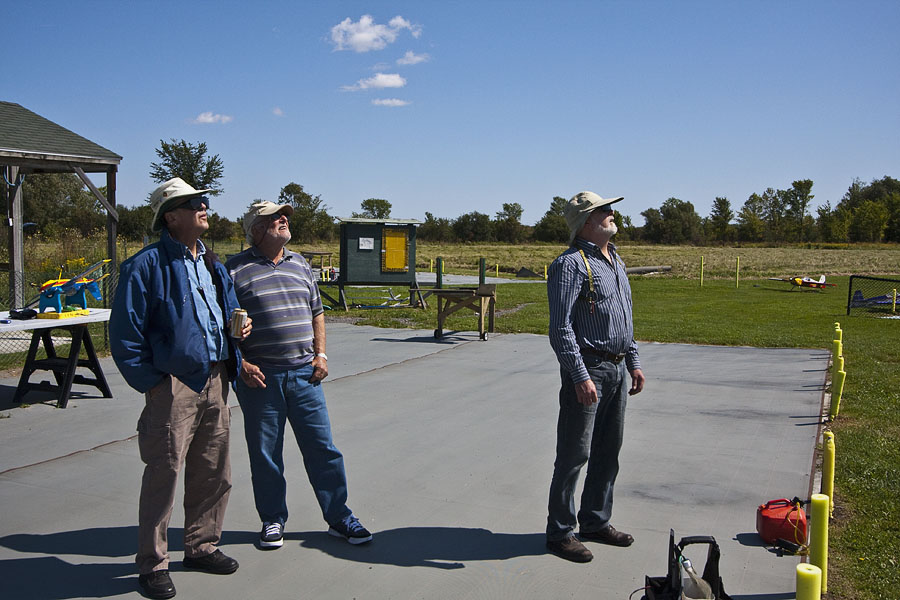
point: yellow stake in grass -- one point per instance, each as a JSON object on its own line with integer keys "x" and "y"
{"x": 828, "y": 471}
{"x": 737, "y": 272}
{"x": 837, "y": 390}
{"x": 809, "y": 582}
{"x": 701, "y": 271}
{"x": 818, "y": 536}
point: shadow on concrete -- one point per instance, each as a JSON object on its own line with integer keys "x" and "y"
{"x": 446, "y": 338}
{"x": 51, "y": 578}
{"x": 750, "y": 539}
{"x": 436, "y": 547}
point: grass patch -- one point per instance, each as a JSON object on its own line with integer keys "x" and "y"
{"x": 865, "y": 552}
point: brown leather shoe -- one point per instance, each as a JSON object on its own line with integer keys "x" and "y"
{"x": 570, "y": 549}
{"x": 608, "y": 535}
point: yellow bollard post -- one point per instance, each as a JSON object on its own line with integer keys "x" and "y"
{"x": 431, "y": 265}
{"x": 818, "y": 536}
{"x": 701, "y": 271}
{"x": 545, "y": 272}
{"x": 894, "y": 304}
{"x": 737, "y": 273}
{"x": 838, "y": 333}
{"x": 809, "y": 582}
{"x": 828, "y": 470}
{"x": 497, "y": 270}
{"x": 837, "y": 357}
{"x": 837, "y": 390}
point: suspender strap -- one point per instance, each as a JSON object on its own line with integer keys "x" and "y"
{"x": 590, "y": 275}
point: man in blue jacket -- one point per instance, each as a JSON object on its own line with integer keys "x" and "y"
{"x": 169, "y": 338}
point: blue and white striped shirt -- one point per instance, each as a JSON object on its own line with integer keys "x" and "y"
{"x": 282, "y": 300}
{"x": 609, "y": 327}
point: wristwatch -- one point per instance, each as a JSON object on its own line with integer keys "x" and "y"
{"x": 321, "y": 355}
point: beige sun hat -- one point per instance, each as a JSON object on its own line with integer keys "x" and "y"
{"x": 580, "y": 207}
{"x": 263, "y": 208}
{"x": 166, "y": 196}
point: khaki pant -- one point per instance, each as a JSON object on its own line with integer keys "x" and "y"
{"x": 179, "y": 426}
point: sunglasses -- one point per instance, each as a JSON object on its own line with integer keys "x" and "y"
{"x": 196, "y": 203}
{"x": 277, "y": 217}
{"x": 607, "y": 208}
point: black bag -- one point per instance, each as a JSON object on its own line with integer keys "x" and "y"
{"x": 668, "y": 587}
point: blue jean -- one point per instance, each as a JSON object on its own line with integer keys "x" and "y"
{"x": 289, "y": 396}
{"x": 587, "y": 434}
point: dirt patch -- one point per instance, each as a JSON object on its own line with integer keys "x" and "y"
{"x": 509, "y": 311}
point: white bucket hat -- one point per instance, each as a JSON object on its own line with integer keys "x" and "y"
{"x": 165, "y": 197}
{"x": 263, "y": 208}
{"x": 580, "y": 207}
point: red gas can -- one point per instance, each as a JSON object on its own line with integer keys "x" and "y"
{"x": 784, "y": 519}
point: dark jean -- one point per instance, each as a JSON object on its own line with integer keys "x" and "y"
{"x": 587, "y": 434}
{"x": 289, "y": 396}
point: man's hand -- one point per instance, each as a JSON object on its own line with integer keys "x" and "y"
{"x": 248, "y": 327}
{"x": 586, "y": 392}
{"x": 637, "y": 382}
{"x": 320, "y": 369}
{"x": 252, "y": 376}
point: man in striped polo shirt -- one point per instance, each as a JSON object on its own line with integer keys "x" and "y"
{"x": 280, "y": 380}
{"x": 592, "y": 334}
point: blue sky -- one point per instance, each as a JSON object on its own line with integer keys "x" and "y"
{"x": 454, "y": 106}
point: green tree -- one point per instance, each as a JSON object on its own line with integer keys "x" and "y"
{"x": 507, "y": 225}
{"x": 473, "y": 227}
{"x": 833, "y": 225}
{"x": 884, "y": 191}
{"x": 751, "y": 225}
{"x": 179, "y": 158}
{"x": 222, "y": 229}
{"x": 680, "y": 223}
{"x": 435, "y": 229}
{"x": 652, "y": 231}
{"x": 797, "y": 201}
{"x": 310, "y": 220}
{"x": 58, "y": 201}
{"x": 719, "y": 224}
{"x": 134, "y": 221}
{"x": 868, "y": 222}
{"x": 552, "y": 226}
{"x": 374, "y": 208}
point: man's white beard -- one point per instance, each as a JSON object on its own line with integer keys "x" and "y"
{"x": 610, "y": 231}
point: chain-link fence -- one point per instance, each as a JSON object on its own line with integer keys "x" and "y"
{"x": 875, "y": 296}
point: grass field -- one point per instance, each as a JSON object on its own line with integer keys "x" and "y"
{"x": 865, "y": 552}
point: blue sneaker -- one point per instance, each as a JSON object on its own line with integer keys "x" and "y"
{"x": 351, "y": 530}
{"x": 271, "y": 536}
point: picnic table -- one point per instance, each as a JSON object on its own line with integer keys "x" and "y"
{"x": 63, "y": 367}
{"x": 481, "y": 299}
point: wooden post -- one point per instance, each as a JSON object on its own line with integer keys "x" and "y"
{"x": 13, "y": 194}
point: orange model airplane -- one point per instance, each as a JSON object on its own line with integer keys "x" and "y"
{"x": 817, "y": 284}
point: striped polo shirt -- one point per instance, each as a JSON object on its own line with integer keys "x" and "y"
{"x": 573, "y": 325}
{"x": 282, "y": 300}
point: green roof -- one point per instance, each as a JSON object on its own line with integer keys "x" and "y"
{"x": 23, "y": 132}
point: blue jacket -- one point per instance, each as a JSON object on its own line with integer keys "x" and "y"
{"x": 153, "y": 327}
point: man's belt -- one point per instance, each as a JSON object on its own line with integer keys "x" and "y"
{"x": 613, "y": 358}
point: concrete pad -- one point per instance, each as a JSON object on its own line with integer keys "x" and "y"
{"x": 449, "y": 447}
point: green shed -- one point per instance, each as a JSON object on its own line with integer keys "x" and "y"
{"x": 377, "y": 252}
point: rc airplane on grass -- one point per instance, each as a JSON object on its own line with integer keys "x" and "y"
{"x": 802, "y": 282}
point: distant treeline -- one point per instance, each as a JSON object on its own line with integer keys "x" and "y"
{"x": 868, "y": 212}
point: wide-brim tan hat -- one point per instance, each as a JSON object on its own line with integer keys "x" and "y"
{"x": 263, "y": 208}
{"x": 167, "y": 195}
{"x": 581, "y": 206}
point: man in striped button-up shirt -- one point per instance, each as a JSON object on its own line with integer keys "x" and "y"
{"x": 592, "y": 333}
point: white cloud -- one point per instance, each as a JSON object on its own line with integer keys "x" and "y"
{"x": 390, "y": 102}
{"x": 411, "y": 58}
{"x": 379, "y": 81}
{"x": 277, "y": 111}
{"x": 208, "y": 117}
{"x": 366, "y": 34}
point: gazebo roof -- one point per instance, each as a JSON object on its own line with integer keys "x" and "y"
{"x": 36, "y": 144}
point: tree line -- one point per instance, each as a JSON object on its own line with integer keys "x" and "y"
{"x": 868, "y": 212}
